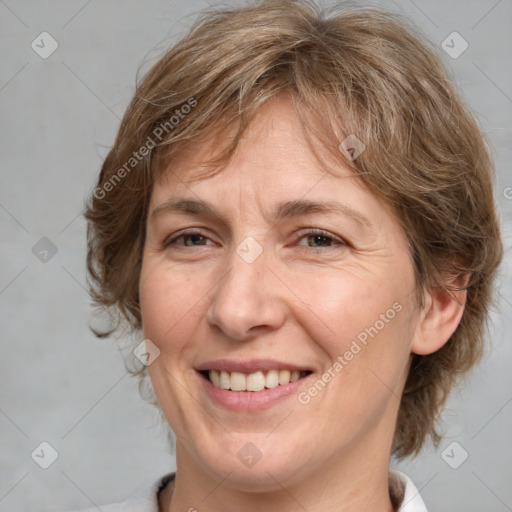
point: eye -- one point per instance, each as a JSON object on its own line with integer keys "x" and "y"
{"x": 189, "y": 239}
{"x": 319, "y": 239}
{"x": 315, "y": 238}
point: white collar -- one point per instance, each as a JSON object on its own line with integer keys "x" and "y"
{"x": 405, "y": 490}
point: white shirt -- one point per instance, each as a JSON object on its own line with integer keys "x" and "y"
{"x": 146, "y": 499}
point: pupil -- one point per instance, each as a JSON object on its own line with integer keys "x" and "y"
{"x": 194, "y": 239}
{"x": 319, "y": 239}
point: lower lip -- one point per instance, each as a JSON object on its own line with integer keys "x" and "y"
{"x": 251, "y": 400}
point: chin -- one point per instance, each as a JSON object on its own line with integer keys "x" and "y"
{"x": 256, "y": 464}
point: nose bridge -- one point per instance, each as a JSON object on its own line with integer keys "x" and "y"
{"x": 245, "y": 298}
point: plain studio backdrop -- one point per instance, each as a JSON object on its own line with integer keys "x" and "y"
{"x": 61, "y": 101}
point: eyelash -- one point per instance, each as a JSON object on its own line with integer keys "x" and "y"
{"x": 310, "y": 233}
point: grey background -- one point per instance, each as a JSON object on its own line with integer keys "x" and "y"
{"x": 61, "y": 385}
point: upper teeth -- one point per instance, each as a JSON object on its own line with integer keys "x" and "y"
{"x": 256, "y": 381}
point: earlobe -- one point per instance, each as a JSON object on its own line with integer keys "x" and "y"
{"x": 440, "y": 317}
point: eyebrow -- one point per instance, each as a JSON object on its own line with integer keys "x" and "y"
{"x": 285, "y": 210}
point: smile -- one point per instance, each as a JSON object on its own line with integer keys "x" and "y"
{"x": 251, "y": 384}
{"x": 256, "y": 381}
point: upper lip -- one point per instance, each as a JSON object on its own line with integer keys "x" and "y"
{"x": 249, "y": 366}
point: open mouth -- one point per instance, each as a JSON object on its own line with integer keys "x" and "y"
{"x": 257, "y": 381}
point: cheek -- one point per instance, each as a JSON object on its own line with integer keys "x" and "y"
{"x": 168, "y": 301}
{"x": 169, "y": 313}
{"x": 344, "y": 308}
{"x": 362, "y": 324}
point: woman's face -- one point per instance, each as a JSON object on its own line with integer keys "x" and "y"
{"x": 270, "y": 268}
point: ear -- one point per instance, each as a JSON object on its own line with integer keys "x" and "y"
{"x": 440, "y": 316}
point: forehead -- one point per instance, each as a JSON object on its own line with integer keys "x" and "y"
{"x": 274, "y": 150}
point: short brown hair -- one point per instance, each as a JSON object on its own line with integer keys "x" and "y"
{"x": 351, "y": 72}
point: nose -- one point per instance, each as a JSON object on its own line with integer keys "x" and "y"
{"x": 247, "y": 300}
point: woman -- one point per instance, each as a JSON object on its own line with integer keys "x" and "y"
{"x": 297, "y": 215}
